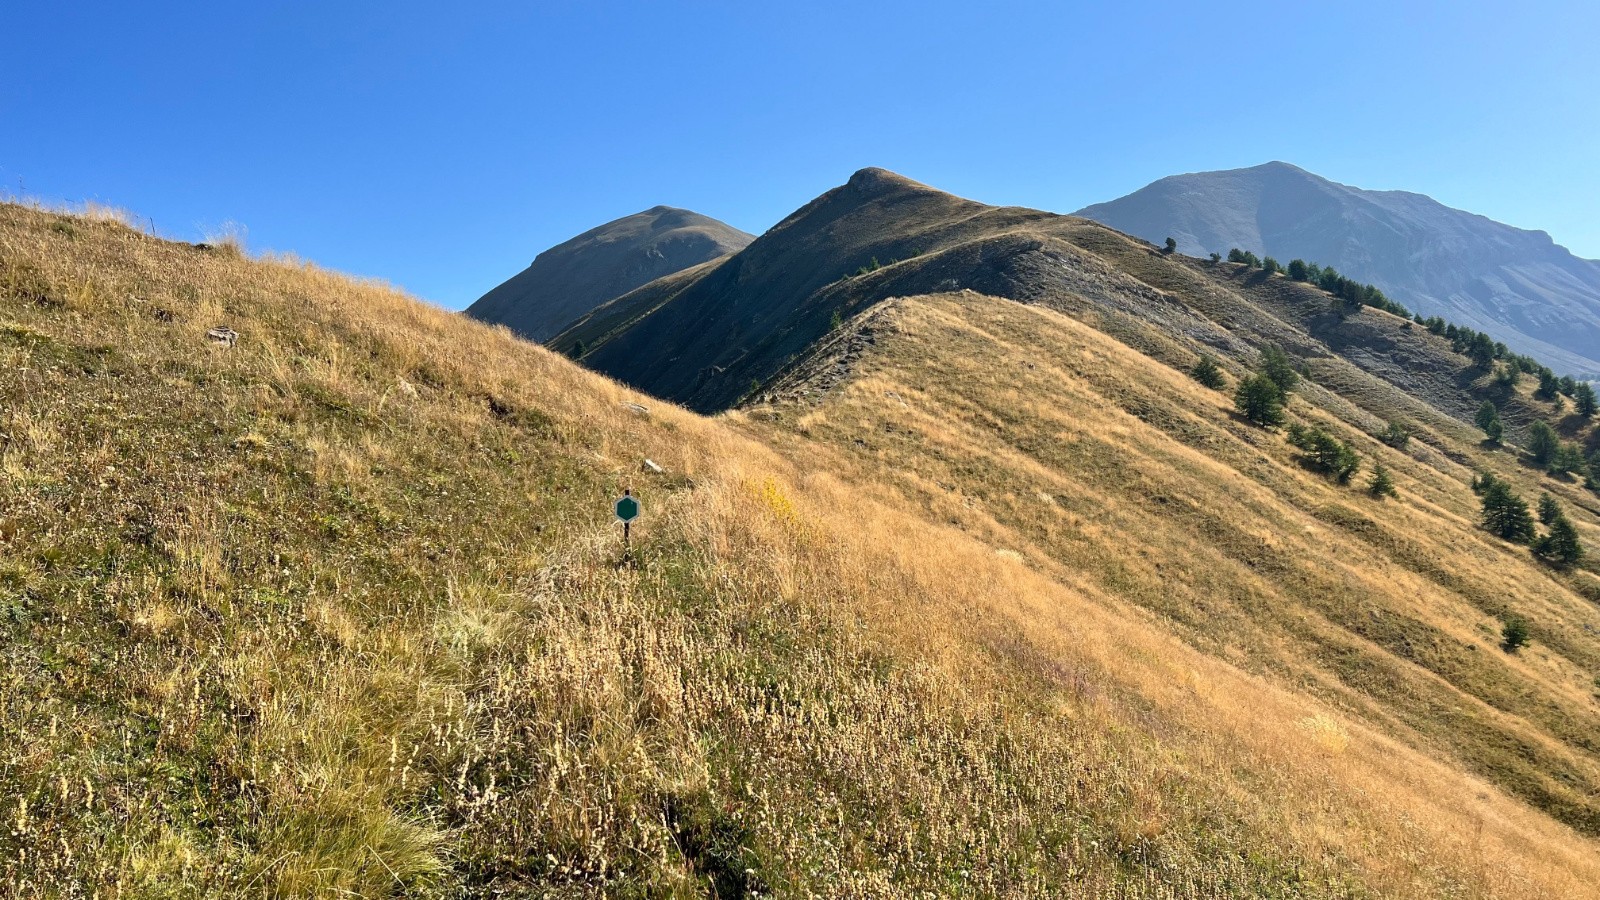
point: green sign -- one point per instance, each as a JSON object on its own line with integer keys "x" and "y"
{"x": 627, "y": 508}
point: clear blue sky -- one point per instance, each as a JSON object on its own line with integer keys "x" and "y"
{"x": 440, "y": 146}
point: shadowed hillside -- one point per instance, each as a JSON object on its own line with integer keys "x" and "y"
{"x": 1518, "y": 285}
{"x": 338, "y": 609}
{"x": 574, "y": 277}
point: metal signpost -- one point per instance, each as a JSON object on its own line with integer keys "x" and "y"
{"x": 627, "y": 509}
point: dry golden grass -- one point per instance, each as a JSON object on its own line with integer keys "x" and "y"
{"x": 340, "y": 611}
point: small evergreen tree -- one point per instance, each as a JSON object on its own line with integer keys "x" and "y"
{"x": 1507, "y": 376}
{"x": 1216, "y": 258}
{"x": 1568, "y": 385}
{"x": 1543, "y": 442}
{"x": 1488, "y": 419}
{"x": 1325, "y": 453}
{"x": 1236, "y": 255}
{"x": 835, "y": 321}
{"x": 1549, "y": 509}
{"x": 1481, "y": 349}
{"x": 1297, "y": 270}
{"x": 1505, "y": 514}
{"x": 1549, "y": 385}
{"x": 1276, "y": 365}
{"x": 1568, "y": 459}
{"x": 1172, "y": 245}
{"x": 1560, "y": 546}
{"x": 1270, "y": 266}
{"x": 1207, "y": 372}
{"x": 1585, "y": 400}
{"x": 1259, "y": 400}
{"x": 577, "y": 349}
{"x": 1396, "y": 436}
{"x": 1513, "y": 634}
{"x": 1382, "y": 485}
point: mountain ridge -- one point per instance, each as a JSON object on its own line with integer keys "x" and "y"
{"x": 1517, "y": 284}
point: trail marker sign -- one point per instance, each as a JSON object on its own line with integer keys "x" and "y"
{"x": 627, "y": 508}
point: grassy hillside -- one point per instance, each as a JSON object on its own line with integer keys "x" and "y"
{"x": 338, "y": 610}
{"x": 1093, "y": 462}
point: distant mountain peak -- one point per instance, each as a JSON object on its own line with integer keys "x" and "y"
{"x": 1515, "y": 284}
{"x": 570, "y": 279}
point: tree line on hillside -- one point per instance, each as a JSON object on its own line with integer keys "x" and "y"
{"x": 1350, "y": 295}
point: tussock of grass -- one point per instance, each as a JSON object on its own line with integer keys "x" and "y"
{"x": 341, "y": 610}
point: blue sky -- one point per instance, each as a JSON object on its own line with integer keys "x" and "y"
{"x": 441, "y": 146}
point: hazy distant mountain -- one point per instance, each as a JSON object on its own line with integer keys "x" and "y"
{"x": 574, "y": 277}
{"x": 1519, "y": 286}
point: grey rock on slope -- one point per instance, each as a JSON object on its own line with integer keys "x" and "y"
{"x": 574, "y": 277}
{"x": 1517, "y": 285}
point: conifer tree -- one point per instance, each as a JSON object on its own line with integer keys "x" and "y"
{"x": 1585, "y": 400}
{"x": 1568, "y": 458}
{"x": 1207, "y": 372}
{"x": 1560, "y": 545}
{"x": 1543, "y": 442}
{"x": 1325, "y": 453}
{"x": 1505, "y": 514}
{"x": 1276, "y": 365}
{"x": 1488, "y": 419}
{"x": 1382, "y": 485}
{"x": 1549, "y": 385}
{"x": 1297, "y": 270}
{"x": 1396, "y": 436}
{"x": 1259, "y": 400}
{"x": 1549, "y": 509}
{"x": 1513, "y": 634}
{"x": 1172, "y": 245}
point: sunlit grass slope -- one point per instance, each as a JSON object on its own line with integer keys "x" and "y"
{"x": 1095, "y": 463}
{"x": 339, "y": 611}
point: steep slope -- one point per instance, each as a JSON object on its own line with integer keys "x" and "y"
{"x": 1101, "y": 466}
{"x": 1519, "y": 286}
{"x": 338, "y": 610}
{"x": 574, "y": 277}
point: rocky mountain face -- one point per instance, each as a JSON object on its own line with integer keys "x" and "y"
{"x": 1519, "y": 286}
{"x": 574, "y": 277}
